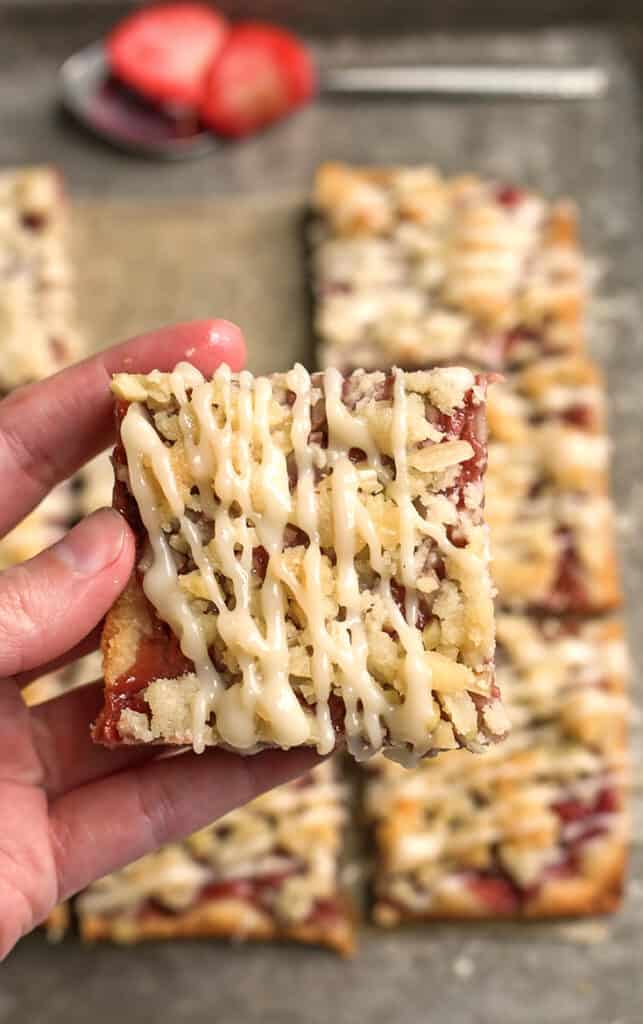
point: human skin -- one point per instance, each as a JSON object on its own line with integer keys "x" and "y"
{"x": 71, "y": 811}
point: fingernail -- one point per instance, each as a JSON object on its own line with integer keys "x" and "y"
{"x": 94, "y": 544}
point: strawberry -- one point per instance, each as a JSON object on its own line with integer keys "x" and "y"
{"x": 164, "y": 52}
{"x": 261, "y": 74}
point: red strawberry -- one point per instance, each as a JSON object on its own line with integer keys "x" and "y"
{"x": 261, "y": 74}
{"x": 164, "y": 52}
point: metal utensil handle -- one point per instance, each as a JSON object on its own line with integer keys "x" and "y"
{"x": 577, "y": 83}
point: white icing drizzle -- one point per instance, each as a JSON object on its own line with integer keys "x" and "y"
{"x": 241, "y": 473}
{"x": 416, "y": 713}
{"x": 307, "y": 515}
{"x": 160, "y": 581}
{"x": 359, "y": 690}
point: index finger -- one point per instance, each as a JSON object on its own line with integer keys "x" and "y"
{"x": 98, "y": 827}
{"x": 49, "y": 429}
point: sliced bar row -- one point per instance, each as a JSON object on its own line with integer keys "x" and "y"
{"x": 413, "y": 269}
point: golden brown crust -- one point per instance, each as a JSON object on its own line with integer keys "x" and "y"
{"x": 335, "y": 180}
{"x": 226, "y": 919}
{"x": 606, "y": 589}
{"x": 126, "y": 623}
{"x": 58, "y": 922}
{"x": 600, "y": 892}
{"x": 611, "y": 631}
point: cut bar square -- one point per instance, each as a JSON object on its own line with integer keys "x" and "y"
{"x": 415, "y": 269}
{"x": 552, "y": 553}
{"x": 536, "y": 827}
{"x": 550, "y": 518}
{"x": 37, "y": 336}
{"x": 557, "y": 407}
{"x": 266, "y": 871}
{"x": 313, "y": 563}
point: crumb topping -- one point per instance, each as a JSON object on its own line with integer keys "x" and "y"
{"x": 309, "y": 541}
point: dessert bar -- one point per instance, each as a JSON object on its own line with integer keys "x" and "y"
{"x": 549, "y": 515}
{"x": 537, "y": 825}
{"x": 554, "y": 409}
{"x": 266, "y": 871}
{"x": 554, "y": 552}
{"x": 312, "y": 563}
{"x": 36, "y": 306}
{"x": 413, "y": 269}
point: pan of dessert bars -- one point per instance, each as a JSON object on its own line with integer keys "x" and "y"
{"x": 224, "y": 236}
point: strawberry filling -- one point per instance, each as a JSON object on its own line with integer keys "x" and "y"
{"x": 467, "y": 423}
{"x": 588, "y": 817}
{"x": 509, "y": 196}
{"x": 258, "y": 892}
{"x": 500, "y": 894}
{"x": 569, "y": 591}
{"x": 158, "y": 657}
{"x": 579, "y": 415}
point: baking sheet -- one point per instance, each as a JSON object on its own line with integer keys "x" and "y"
{"x": 223, "y": 237}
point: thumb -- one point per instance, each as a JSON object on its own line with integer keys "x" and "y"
{"x": 51, "y": 602}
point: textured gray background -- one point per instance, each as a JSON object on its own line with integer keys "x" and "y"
{"x": 222, "y": 236}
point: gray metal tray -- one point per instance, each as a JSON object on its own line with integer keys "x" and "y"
{"x": 222, "y": 237}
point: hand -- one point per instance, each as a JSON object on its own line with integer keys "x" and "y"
{"x": 71, "y": 812}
